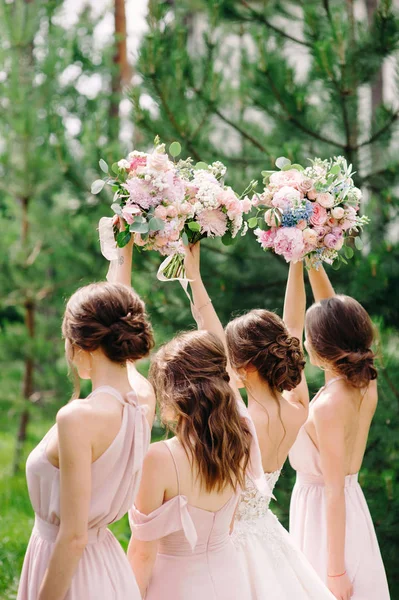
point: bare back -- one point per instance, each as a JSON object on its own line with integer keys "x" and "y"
{"x": 277, "y": 423}
{"x": 357, "y": 407}
{"x": 181, "y": 478}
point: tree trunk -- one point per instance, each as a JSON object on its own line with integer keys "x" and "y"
{"x": 27, "y": 387}
{"x": 121, "y": 68}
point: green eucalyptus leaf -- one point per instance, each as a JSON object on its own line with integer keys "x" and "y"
{"x": 194, "y": 226}
{"x": 358, "y": 243}
{"x": 156, "y": 224}
{"x": 282, "y": 162}
{"x": 97, "y": 186}
{"x": 116, "y": 208}
{"x": 139, "y": 227}
{"x": 336, "y": 265}
{"x": 227, "y": 240}
{"x": 252, "y": 222}
{"x": 103, "y": 165}
{"x": 201, "y": 165}
{"x": 175, "y": 149}
{"x": 115, "y": 168}
{"x": 348, "y": 251}
{"x": 297, "y": 167}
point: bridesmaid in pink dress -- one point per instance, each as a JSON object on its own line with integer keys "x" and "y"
{"x": 180, "y": 547}
{"x": 85, "y": 472}
{"x": 329, "y": 516}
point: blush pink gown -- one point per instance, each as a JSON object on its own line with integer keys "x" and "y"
{"x": 309, "y": 528}
{"x": 103, "y": 573}
{"x": 196, "y": 559}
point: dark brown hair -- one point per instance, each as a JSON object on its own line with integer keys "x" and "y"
{"x": 189, "y": 376}
{"x": 260, "y": 339}
{"x": 341, "y": 333}
{"x": 109, "y": 316}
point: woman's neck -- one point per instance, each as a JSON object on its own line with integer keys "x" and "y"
{"x": 105, "y": 372}
{"x": 259, "y": 390}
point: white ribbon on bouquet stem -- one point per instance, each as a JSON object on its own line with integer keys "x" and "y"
{"x": 109, "y": 248}
{"x": 184, "y": 281}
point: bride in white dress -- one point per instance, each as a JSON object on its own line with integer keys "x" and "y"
{"x": 266, "y": 355}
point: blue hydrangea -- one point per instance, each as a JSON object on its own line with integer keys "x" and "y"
{"x": 292, "y": 216}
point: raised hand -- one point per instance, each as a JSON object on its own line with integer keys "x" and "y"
{"x": 192, "y": 261}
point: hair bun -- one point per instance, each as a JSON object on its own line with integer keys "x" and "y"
{"x": 285, "y": 372}
{"x": 358, "y": 367}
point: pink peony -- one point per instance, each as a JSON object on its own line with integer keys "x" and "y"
{"x": 291, "y": 178}
{"x": 337, "y": 212}
{"x": 286, "y": 197}
{"x": 213, "y": 222}
{"x": 289, "y": 243}
{"x": 234, "y": 208}
{"x": 160, "y": 212}
{"x": 266, "y": 238}
{"x": 129, "y": 211}
{"x": 326, "y": 200}
{"x": 319, "y": 215}
{"x": 142, "y": 193}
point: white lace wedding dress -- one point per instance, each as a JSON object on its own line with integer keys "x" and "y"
{"x": 276, "y": 569}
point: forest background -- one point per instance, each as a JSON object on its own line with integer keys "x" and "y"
{"x": 236, "y": 80}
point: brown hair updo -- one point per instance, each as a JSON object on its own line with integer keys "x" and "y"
{"x": 341, "y": 333}
{"x": 260, "y": 339}
{"x": 190, "y": 378}
{"x": 109, "y": 316}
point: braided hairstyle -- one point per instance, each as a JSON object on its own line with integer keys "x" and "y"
{"x": 260, "y": 339}
{"x": 341, "y": 333}
{"x": 111, "y": 317}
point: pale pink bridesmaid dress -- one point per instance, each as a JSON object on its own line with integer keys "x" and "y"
{"x": 309, "y": 528}
{"x": 103, "y": 573}
{"x": 196, "y": 559}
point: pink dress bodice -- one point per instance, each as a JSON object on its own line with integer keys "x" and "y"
{"x": 115, "y": 478}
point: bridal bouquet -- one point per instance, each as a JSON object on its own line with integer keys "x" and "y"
{"x": 167, "y": 204}
{"x": 309, "y": 212}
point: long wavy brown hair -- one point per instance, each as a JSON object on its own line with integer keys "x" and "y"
{"x": 192, "y": 388}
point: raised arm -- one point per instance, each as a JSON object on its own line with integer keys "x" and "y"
{"x": 294, "y": 319}
{"x": 321, "y": 285}
{"x": 204, "y": 311}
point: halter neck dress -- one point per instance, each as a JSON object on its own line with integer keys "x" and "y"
{"x": 308, "y": 524}
{"x": 103, "y": 572}
{"x": 196, "y": 558}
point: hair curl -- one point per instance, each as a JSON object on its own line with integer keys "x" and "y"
{"x": 111, "y": 317}
{"x": 190, "y": 378}
{"x": 260, "y": 339}
{"x": 341, "y": 333}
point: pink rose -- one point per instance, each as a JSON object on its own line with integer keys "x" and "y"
{"x": 291, "y": 178}
{"x": 289, "y": 243}
{"x": 312, "y": 194}
{"x": 171, "y": 212}
{"x": 337, "y": 231}
{"x": 332, "y": 222}
{"x": 321, "y": 231}
{"x": 306, "y": 186}
{"x": 137, "y": 161}
{"x": 185, "y": 208}
{"x": 266, "y": 238}
{"x": 319, "y": 215}
{"x": 301, "y": 225}
{"x": 331, "y": 241}
{"x": 326, "y": 200}
{"x": 310, "y": 236}
{"x": 337, "y": 212}
{"x": 191, "y": 191}
{"x": 158, "y": 161}
{"x": 265, "y": 199}
{"x": 160, "y": 212}
{"x": 233, "y": 208}
{"x": 286, "y": 197}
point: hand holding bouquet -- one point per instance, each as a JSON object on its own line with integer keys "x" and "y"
{"x": 309, "y": 212}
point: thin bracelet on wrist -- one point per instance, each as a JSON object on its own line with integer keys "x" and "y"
{"x": 334, "y": 576}
{"x": 204, "y": 305}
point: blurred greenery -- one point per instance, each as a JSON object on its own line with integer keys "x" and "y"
{"x": 243, "y": 82}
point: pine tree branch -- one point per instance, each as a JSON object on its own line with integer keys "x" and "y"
{"x": 232, "y": 124}
{"x": 261, "y": 19}
{"x": 380, "y": 132}
{"x": 172, "y": 119}
{"x": 295, "y": 121}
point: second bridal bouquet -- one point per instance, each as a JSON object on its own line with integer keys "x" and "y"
{"x": 309, "y": 212}
{"x": 166, "y": 203}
